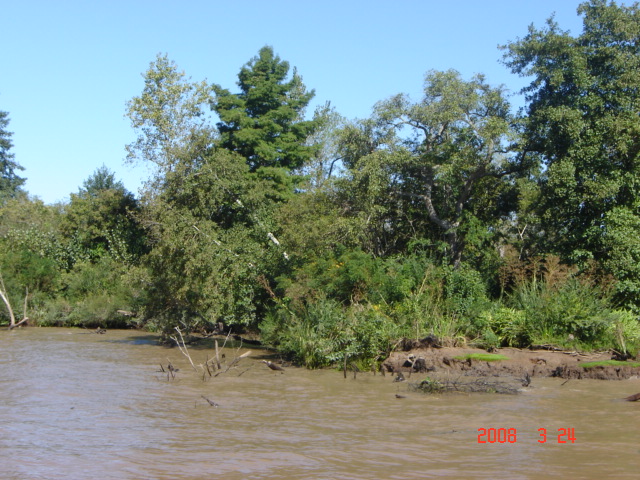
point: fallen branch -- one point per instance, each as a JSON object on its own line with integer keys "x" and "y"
{"x": 210, "y": 402}
{"x": 183, "y": 347}
{"x": 235, "y": 360}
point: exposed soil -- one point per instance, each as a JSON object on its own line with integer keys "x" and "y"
{"x": 425, "y": 356}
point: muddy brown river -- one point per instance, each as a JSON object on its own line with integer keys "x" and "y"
{"x": 85, "y": 406}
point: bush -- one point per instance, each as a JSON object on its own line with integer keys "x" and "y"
{"x": 324, "y": 332}
{"x": 565, "y": 313}
{"x": 625, "y": 329}
{"x": 465, "y": 291}
{"x": 354, "y": 277}
{"x": 91, "y": 295}
{"x": 500, "y": 326}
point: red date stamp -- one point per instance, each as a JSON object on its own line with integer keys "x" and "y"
{"x": 510, "y": 435}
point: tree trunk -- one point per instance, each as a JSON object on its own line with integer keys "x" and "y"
{"x": 457, "y": 246}
{"x": 5, "y": 299}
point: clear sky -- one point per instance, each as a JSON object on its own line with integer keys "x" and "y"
{"x": 68, "y": 67}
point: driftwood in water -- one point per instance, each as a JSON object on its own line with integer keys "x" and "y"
{"x": 273, "y": 366}
{"x": 217, "y": 355}
{"x": 478, "y": 385}
{"x": 170, "y": 371}
{"x": 633, "y": 398}
{"x": 210, "y": 402}
{"x": 210, "y": 366}
{"x": 234, "y": 362}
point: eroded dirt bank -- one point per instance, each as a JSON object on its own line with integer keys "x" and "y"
{"x": 423, "y": 357}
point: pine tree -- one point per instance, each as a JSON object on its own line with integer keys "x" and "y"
{"x": 10, "y": 183}
{"x": 264, "y": 122}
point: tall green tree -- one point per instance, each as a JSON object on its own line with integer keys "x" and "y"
{"x": 438, "y": 167}
{"x": 264, "y": 122}
{"x": 209, "y": 218}
{"x": 582, "y": 120}
{"x": 10, "y": 182}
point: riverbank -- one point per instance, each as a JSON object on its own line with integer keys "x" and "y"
{"x": 508, "y": 362}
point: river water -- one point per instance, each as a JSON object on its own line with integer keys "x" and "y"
{"x": 85, "y": 406}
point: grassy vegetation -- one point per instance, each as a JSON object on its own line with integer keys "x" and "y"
{"x": 482, "y": 357}
{"x": 610, "y": 363}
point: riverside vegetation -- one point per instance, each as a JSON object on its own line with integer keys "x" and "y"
{"x": 448, "y": 216}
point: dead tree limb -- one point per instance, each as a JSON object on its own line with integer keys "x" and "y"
{"x": 217, "y": 355}
{"x": 5, "y": 298}
{"x": 183, "y": 347}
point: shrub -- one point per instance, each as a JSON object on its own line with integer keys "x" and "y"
{"x": 625, "y": 329}
{"x": 464, "y": 291}
{"x": 91, "y": 294}
{"x": 324, "y": 333}
{"x": 566, "y": 312}
{"x": 500, "y": 326}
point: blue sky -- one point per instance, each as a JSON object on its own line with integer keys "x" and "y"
{"x": 69, "y": 67}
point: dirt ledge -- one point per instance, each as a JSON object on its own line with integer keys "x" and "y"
{"x": 519, "y": 363}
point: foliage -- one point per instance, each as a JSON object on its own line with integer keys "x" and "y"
{"x": 483, "y": 357}
{"x": 10, "y": 182}
{"x": 210, "y": 244}
{"x": 582, "y": 122}
{"x": 326, "y": 163}
{"x": 101, "y": 220}
{"x": 263, "y": 123}
{"x": 448, "y": 216}
{"x": 210, "y": 211}
{"x": 625, "y": 328}
{"x": 168, "y": 115}
{"x": 610, "y": 363}
{"x": 325, "y": 333}
{"x": 623, "y": 260}
{"x": 91, "y": 295}
{"x": 437, "y": 164}
{"x": 500, "y": 326}
{"x": 566, "y": 313}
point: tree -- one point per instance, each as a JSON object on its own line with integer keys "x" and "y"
{"x": 264, "y": 122}
{"x": 582, "y": 120}
{"x": 326, "y": 163}
{"x": 206, "y": 250}
{"x": 443, "y": 160}
{"x": 10, "y": 183}
{"x": 101, "y": 219}
{"x": 102, "y": 179}
{"x": 168, "y": 115}
{"x": 209, "y": 218}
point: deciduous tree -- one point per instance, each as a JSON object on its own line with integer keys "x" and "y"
{"x": 582, "y": 119}
{"x": 443, "y": 160}
{"x": 168, "y": 116}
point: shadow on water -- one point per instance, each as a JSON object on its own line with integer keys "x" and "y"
{"x": 193, "y": 343}
{"x": 150, "y": 339}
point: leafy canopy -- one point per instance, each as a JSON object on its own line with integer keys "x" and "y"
{"x": 583, "y": 104}
{"x": 434, "y": 165}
